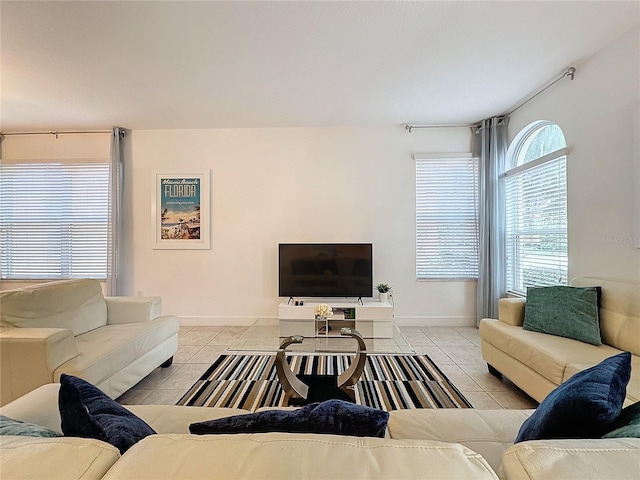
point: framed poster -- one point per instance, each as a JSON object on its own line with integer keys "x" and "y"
{"x": 180, "y": 210}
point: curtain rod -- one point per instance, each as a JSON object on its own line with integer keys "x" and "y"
{"x": 56, "y": 133}
{"x": 569, "y": 72}
{"x": 454, "y": 125}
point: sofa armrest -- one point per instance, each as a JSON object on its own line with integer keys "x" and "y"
{"x": 29, "y": 356}
{"x": 132, "y": 309}
{"x": 511, "y": 310}
{"x": 39, "y": 406}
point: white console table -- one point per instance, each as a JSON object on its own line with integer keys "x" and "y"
{"x": 372, "y": 319}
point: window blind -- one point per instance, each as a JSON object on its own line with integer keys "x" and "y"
{"x": 447, "y": 217}
{"x": 536, "y": 225}
{"x": 54, "y": 220}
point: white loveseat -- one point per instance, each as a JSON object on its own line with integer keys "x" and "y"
{"x": 420, "y": 444}
{"x": 70, "y": 327}
{"x": 537, "y": 362}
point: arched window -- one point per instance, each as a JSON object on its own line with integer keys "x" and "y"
{"x": 536, "y": 208}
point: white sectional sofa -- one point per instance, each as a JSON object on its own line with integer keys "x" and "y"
{"x": 70, "y": 327}
{"x": 537, "y": 362}
{"x": 420, "y": 444}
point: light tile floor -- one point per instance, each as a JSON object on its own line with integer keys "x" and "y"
{"x": 456, "y": 351}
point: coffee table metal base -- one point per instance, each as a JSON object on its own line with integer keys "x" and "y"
{"x": 295, "y": 388}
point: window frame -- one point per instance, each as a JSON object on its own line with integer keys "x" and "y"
{"x": 515, "y": 167}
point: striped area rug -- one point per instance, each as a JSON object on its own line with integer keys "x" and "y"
{"x": 389, "y": 382}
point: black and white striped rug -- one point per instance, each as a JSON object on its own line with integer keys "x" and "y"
{"x": 389, "y": 382}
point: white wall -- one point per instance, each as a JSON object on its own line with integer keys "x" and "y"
{"x": 597, "y": 112}
{"x": 288, "y": 185}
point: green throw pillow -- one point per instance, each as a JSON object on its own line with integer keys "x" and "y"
{"x": 10, "y": 426}
{"x": 627, "y": 425}
{"x": 570, "y": 312}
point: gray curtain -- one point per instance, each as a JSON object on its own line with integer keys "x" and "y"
{"x": 490, "y": 146}
{"x": 116, "y": 178}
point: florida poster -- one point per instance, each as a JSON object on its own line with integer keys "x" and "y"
{"x": 180, "y": 211}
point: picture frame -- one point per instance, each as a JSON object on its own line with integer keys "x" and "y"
{"x": 181, "y": 209}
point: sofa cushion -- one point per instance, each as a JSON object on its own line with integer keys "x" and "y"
{"x": 487, "y": 432}
{"x": 87, "y": 412}
{"x": 627, "y": 424}
{"x": 584, "y": 406}
{"x": 55, "y": 458}
{"x": 332, "y": 416}
{"x": 548, "y": 355}
{"x": 77, "y": 305}
{"x": 572, "y": 459}
{"x": 9, "y": 426}
{"x": 285, "y": 456}
{"x": 176, "y": 419}
{"x": 570, "y": 312}
{"x": 112, "y": 348}
{"x": 619, "y": 312}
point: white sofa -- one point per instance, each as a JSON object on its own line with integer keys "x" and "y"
{"x": 70, "y": 327}
{"x": 420, "y": 444}
{"x": 538, "y": 362}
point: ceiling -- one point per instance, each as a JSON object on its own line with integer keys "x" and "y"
{"x": 178, "y": 64}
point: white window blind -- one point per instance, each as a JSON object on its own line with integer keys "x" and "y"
{"x": 446, "y": 217}
{"x": 536, "y": 224}
{"x": 54, "y": 220}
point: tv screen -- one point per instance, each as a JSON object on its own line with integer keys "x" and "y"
{"x": 325, "y": 269}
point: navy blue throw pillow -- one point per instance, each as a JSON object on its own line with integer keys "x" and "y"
{"x": 88, "y": 412}
{"x": 583, "y": 406}
{"x": 332, "y": 417}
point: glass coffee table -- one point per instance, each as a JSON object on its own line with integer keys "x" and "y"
{"x": 263, "y": 336}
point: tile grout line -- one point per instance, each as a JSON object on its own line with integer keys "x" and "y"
{"x": 459, "y": 349}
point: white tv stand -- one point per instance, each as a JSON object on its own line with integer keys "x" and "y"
{"x": 372, "y": 319}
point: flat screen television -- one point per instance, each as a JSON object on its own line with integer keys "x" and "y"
{"x": 325, "y": 270}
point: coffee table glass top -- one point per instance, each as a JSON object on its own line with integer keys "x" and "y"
{"x": 262, "y": 336}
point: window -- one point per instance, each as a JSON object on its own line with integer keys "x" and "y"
{"x": 536, "y": 209}
{"x": 446, "y": 217}
{"x": 54, "y": 220}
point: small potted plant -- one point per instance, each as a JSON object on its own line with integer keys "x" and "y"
{"x": 383, "y": 291}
